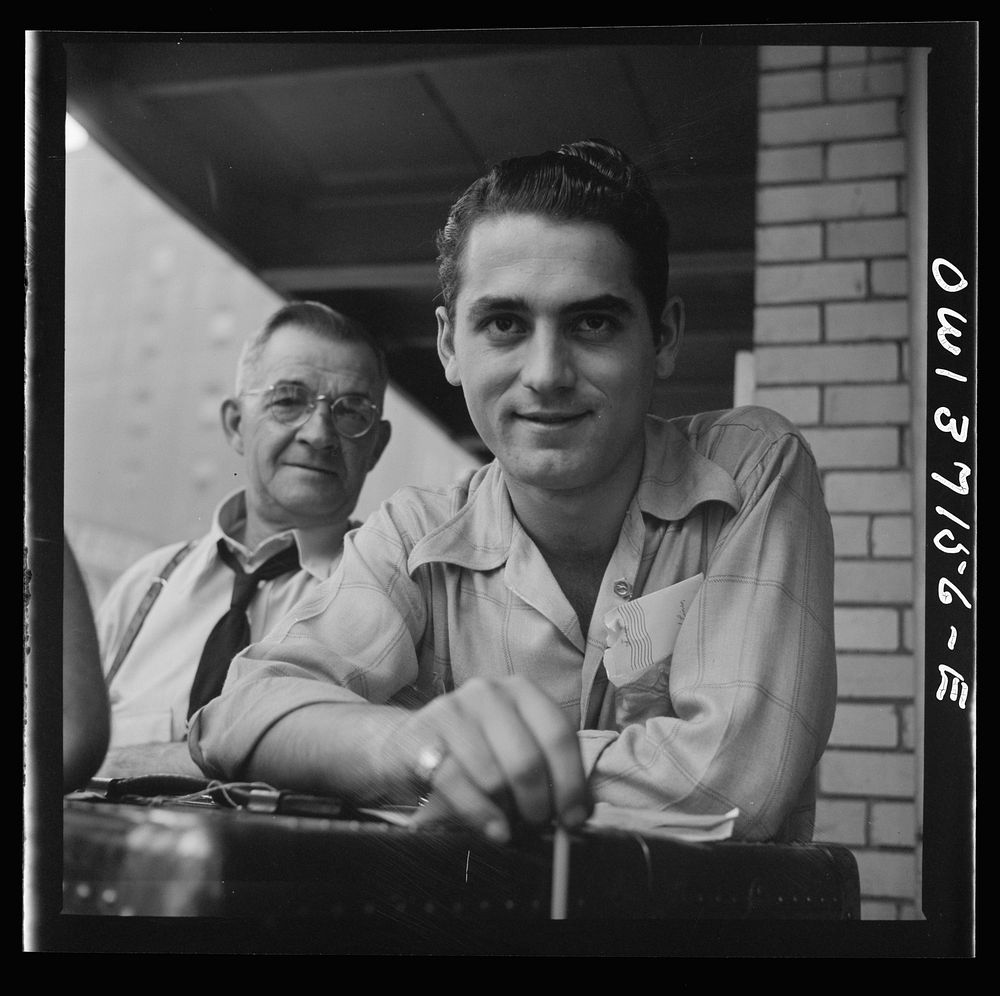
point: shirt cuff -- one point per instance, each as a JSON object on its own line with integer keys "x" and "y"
{"x": 225, "y": 731}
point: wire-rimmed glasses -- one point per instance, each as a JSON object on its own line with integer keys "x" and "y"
{"x": 293, "y": 404}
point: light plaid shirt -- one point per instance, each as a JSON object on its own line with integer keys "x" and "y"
{"x": 441, "y": 585}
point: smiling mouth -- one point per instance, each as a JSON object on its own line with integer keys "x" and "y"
{"x": 316, "y": 470}
{"x": 554, "y": 419}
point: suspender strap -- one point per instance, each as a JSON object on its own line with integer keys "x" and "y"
{"x": 142, "y": 611}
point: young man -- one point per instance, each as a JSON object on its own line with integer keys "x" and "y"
{"x": 305, "y": 417}
{"x": 510, "y": 649}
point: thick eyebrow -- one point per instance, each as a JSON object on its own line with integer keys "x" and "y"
{"x": 489, "y": 305}
{"x": 603, "y": 302}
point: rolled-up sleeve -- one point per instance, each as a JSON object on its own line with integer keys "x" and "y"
{"x": 752, "y": 681}
{"x": 353, "y": 640}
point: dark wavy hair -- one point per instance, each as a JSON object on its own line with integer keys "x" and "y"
{"x": 590, "y": 180}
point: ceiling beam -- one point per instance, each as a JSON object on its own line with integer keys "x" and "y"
{"x": 201, "y": 68}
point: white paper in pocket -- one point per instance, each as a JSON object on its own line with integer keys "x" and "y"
{"x": 643, "y": 632}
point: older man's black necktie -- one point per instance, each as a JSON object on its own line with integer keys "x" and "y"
{"x": 232, "y": 632}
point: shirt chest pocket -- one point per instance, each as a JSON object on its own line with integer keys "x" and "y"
{"x": 640, "y": 646}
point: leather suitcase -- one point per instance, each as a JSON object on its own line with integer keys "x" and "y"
{"x": 171, "y": 861}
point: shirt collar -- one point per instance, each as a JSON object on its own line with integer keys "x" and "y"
{"x": 319, "y": 546}
{"x": 675, "y": 479}
{"x": 478, "y": 536}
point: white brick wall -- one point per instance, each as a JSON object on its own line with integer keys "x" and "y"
{"x": 858, "y": 82}
{"x": 892, "y": 536}
{"x": 839, "y": 447}
{"x": 888, "y": 873}
{"x": 810, "y": 282}
{"x": 877, "y": 405}
{"x": 783, "y": 165}
{"x": 867, "y": 773}
{"x": 845, "y": 160}
{"x": 789, "y": 242}
{"x": 869, "y": 491}
{"x": 787, "y": 323}
{"x": 829, "y": 123}
{"x": 831, "y": 351}
{"x": 865, "y": 726}
{"x": 826, "y": 364}
{"x": 880, "y": 237}
{"x": 893, "y": 824}
{"x": 795, "y": 87}
{"x": 866, "y": 628}
{"x": 827, "y": 200}
{"x": 841, "y": 820}
{"x": 798, "y": 404}
{"x": 875, "y": 676}
{"x": 867, "y": 320}
{"x": 890, "y": 277}
{"x": 873, "y": 582}
{"x": 850, "y": 535}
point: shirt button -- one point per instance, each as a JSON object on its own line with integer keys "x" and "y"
{"x": 622, "y": 588}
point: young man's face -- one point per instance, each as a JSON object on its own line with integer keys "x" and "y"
{"x": 552, "y": 345}
{"x": 304, "y": 476}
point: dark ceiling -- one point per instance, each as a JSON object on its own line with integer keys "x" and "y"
{"x": 327, "y": 167}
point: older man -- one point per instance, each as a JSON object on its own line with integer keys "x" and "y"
{"x": 619, "y": 609}
{"x": 306, "y": 419}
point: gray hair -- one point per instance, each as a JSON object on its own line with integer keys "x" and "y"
{"x": 316, "y": 318}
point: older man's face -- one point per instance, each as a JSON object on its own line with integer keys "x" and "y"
{"x": 552, "y": 345}
{"x": 304, "y": 476}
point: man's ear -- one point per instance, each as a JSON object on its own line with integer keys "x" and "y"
{"x": 446, "y": 347}
{"x": 671, "y": 335}
{"x": 232, "y": 421}
{"x": 384, "y": 431}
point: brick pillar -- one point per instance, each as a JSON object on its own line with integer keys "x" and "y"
{"x": 831, "y": 353}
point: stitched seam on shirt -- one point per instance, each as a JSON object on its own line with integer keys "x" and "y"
{"x": 360, "y": 674}
{"x": 505, "y": 637}
{"x": 483, "y": 596}
{"x": 764, "y": 583}
{"x": 716, "y": 431}
{"x": 786, "y": 706}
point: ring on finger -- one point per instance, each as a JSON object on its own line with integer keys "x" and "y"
{"x": 429, "y": 758}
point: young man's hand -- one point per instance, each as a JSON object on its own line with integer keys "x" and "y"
{"x": 492, "y": 754}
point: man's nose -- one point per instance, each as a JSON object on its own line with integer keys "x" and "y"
{"x": 318, "y": 429}
{"x": 548, "y": 362}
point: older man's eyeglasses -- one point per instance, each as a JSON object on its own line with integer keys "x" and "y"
{"x": 292, "y": 404}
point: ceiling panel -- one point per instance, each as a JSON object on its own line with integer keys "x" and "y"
{"x": 388, "y": 119}
{"x": 532, "y": 101}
